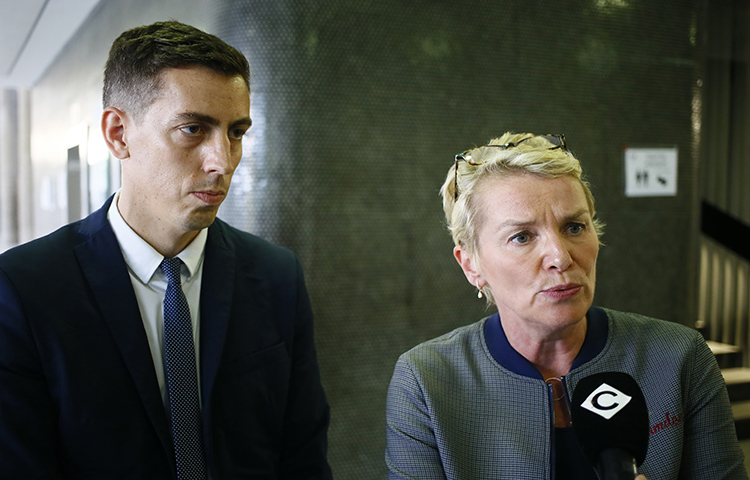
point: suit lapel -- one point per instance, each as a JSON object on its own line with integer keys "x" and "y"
{"x": 217, "y": 288}
{"x": 104, "y": 267}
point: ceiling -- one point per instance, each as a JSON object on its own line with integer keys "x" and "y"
{"x": 32, "y": 34}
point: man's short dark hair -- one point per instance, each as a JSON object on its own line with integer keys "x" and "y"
{"x": 139, "y": 55}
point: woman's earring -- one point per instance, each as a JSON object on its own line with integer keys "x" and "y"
{"x": 479, "y": 293}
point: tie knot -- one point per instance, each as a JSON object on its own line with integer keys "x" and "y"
{"x": 171, "y": 267}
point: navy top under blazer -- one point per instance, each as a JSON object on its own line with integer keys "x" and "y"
{"x": 79, "y": 396}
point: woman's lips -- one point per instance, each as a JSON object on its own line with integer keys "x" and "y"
{"x": 563, "y": 292}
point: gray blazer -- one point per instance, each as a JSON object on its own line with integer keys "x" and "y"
{"x": 454, "y": 412}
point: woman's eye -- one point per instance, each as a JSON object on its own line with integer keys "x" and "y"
{"x": 520, "y": 238}
{"x": 576, "y": 228}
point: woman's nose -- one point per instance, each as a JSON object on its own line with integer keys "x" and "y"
{"x": 556, "y": 255}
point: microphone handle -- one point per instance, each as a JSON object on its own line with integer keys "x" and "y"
{"x": 616, "y": 464}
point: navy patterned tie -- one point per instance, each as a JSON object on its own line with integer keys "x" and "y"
{"x": 182, "y": 377}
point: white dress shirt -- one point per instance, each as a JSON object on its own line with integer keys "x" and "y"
{"x": 150, "y": 285}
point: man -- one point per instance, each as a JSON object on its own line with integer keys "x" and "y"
{"x": 119, "y": 361}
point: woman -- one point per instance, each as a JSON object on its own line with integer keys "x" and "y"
{"x": 491, "y": 400}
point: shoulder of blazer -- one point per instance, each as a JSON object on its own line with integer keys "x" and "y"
{"x": 60, "y": 244}
{"x": 247, "y": 247}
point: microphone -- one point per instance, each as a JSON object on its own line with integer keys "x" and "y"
{"x": 610, "y": 420}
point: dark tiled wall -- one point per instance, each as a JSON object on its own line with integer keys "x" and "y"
{"x": 359, "y": 107}
{"x": 364, "y": 104}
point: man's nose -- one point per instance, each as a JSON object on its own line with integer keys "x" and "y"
{"x": 222, "y": 155}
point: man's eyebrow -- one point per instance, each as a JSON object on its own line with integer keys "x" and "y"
{"x": 196, "y": 117}
{"x": 209, "y": 120}
{"x": 242, "y": 122}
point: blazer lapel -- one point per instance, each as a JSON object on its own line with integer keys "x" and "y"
{"x": 217, "y": 289}
{"x": 104, "y": 267}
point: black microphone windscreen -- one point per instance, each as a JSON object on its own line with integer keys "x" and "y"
{"x": 609, "y": 411}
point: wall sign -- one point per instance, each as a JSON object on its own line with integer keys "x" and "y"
{"x": 651, "y": 172}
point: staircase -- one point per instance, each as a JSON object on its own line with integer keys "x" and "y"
{"x": 737, "y": 379}
{"x": 724, "y": 317}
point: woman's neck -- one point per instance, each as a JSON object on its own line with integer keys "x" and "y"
{"x": 553, "y": 352}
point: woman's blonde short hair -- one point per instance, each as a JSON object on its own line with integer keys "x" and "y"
{"x": 525, "y": 154}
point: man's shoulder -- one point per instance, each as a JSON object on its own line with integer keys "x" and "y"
{"x": 59, "y": 244}
{"x": 53, "y": 246}
{"x": 246, "y": 245}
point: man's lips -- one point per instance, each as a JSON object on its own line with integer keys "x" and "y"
{"x": 210, "y": 197}
{"x": 563, "y": 291}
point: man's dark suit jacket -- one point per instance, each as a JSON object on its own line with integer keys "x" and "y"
{"x": 79, "y": 396}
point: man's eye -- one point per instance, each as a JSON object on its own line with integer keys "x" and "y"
{"x": 237, "y": 133}
{"x": 191, "y": 129}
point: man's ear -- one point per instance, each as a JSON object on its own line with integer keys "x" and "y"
{"x": 469, "y": 266}
{"x": 113, "y": 129}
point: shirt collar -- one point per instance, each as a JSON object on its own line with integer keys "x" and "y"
{"x": 141, "y": 257}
